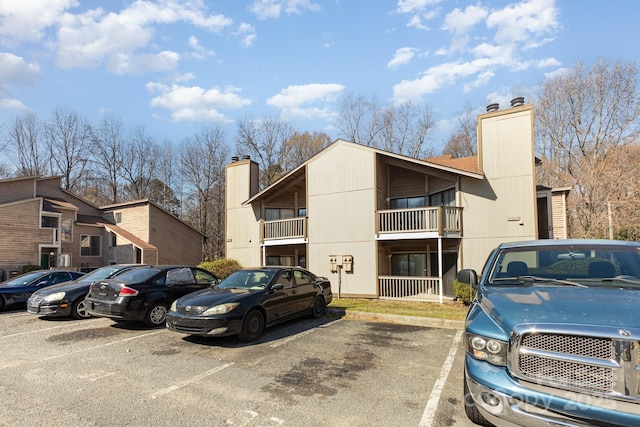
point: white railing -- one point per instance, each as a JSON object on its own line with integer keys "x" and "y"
{"x": 438, "y": 219}
{"x": 284, "y": 229}
{"x": 409, "y": 288}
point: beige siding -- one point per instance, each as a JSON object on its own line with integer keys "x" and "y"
{"x": 21, "y": 220}
{"x": 503, "y": 206}
{"x": 406, "y": 183}
{"x": 341, "y": 198}
{"x": 242, "y": 226}
{"x": 18, "y": 189}
{"x": 559, "y": 218}
{"x": 176, "y": 243}
{"x": 87, "y": 262}
{"x": 135, "y": 219}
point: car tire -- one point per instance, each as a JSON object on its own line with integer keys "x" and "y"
{"x": 79, "y": 309}
{"x": 470, "y": 407}
{"x": 252, "y": 326}
{"x": 319, "y": 307}
{"x": 156, "y": 315}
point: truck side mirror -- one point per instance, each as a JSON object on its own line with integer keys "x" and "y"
{"x": 468, "y": 276}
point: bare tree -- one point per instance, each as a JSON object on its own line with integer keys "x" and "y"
{"x": 300, "y": 147}
{"x": 263, "y": 141}
{"x": 69, "y": 138}
{"x": 29, "y": 153}
{"x": 202, "y": 164}
{"x": 167, "y": 180}
{"x": 462, "y": 143}
{"x": 139, "y": 164}
{"x": 402, "y": 128}
{"x": 108, "y": 150}
{"x": 582, "y": 117}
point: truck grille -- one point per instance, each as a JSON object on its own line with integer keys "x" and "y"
{"x": 598, "y": 360}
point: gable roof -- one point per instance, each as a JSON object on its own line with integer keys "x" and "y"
{"x": 299, "y": 172}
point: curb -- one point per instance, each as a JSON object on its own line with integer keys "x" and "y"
{"x": 395, "y": 318}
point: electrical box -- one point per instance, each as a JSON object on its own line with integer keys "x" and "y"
{"x": 347, "y": 263}
{"x": 333, "y": 263}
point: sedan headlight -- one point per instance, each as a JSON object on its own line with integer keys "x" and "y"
{"x": 489, "y": 349}
{"x": 56, "y": 296}
{"x": 174, "y": 306}
{"x": 221, "y": 309}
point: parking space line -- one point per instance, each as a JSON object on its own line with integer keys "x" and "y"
{"x": 432, "y": 404}
{"x": 175, "y": 387}
{"x": 99, "y": 346}
{"x": 46, "y": 329}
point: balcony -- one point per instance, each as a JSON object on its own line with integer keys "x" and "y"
{"x": 283, "y": 231}
{"x": 437, "y": 221}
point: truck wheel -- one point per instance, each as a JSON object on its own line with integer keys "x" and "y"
{"x": 470, "y": 407}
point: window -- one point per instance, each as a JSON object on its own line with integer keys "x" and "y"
{"x": 409, "y": 265}
{"x": 64, "y": 260}
{"x": 67, "y": 230}
{"x": 114, "y": 239}
{"x": 279, "y": 260}
{"x": 118, "y": 217}
{"x": 49, "y": 222}
{"x": 90, "y": 245}
{"x": 407, "y": 202}
{"x": 272, "y": 214}
{"x": 443, "y": 198}
{"x": 302, "y": 277}
{"x": 302, "y": 212}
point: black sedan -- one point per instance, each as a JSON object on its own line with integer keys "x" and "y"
{"x": 18, "y": 289}
{"x": 249, "y": 300}
{"x": 145, "y": 293}
{"x": 67, "y": 299}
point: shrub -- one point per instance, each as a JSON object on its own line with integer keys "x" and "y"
{"x": 463, "y": 291}
{"x": 30, "y": 267}
{"x": 221, "y": 267}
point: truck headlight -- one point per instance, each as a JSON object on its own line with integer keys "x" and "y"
{"x": 489, "y": 349}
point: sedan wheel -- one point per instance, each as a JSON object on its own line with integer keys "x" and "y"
{"x": 252, "y": 326}
{"x": 156, "y": 315}
{"x": 318, "y": 307}
{"x": 79, "y": 310}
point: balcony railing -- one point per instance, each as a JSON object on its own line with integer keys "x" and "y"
{"x": 438, "y": 219}
{"x": 409, "y": 288}
{"x": 292, "y": 228}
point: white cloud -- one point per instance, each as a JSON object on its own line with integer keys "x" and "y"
{"x": 548, "y": 62}
{"x": 307, "y": 101}
{"x": 273, "y": 9}
{"x": 15, "y": 70}
{"x": 93, "y": 38}
{"x": 411, "y": 6}
{"x": 247, "y": 34}
{"x": 13, "y": 105}
{"x": 525, "y": 22}
{"x": 459, "y": 22}
{"x": 26, "y": 21}
{"x": 294, "y": 96}
{"x": 199, "y": 51}
{"x": 404, "y": 55}
{"x": 193, "y": 103}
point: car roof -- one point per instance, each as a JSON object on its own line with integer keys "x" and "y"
{"x": 567, "y": 242}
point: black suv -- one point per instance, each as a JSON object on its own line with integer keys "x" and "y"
{"x": 144, "y": 294}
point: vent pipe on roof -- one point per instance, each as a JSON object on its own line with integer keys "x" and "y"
{"x": 246, "y": 157}
{"x": 234, "y": 159}
{"x": 516, "y": 102}
{"x": 493, "y": 107}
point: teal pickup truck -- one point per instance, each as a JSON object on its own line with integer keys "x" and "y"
{"x": 552, "y": 337}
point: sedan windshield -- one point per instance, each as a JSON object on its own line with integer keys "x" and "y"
{"x": 247, "y": 279}
{"x": 602, "y": 265}
{"x": 23, "y": 280}
{"x": 137, "y": 275}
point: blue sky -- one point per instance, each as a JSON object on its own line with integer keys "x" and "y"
{"x": 174, "y": 66}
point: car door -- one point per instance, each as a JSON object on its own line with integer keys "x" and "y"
{"x": 179, "y": 281}
{"x": 282, "y": 302}
{"x": 305, "y": 290}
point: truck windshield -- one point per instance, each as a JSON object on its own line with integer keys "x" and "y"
{"x": 589, "y": 265}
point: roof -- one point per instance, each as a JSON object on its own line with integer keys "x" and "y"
{"x": 299, "y": 172}
{"x": 54, "y": 205}
{"x": 127, "y": 235}
{"x": 469, "y": 164}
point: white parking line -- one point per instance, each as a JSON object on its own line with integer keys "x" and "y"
{"x": 190, "y": 381}
{"x": 99, "y": 346}
{"x": 432, "y": 404}
{"x": 48, "y": 329}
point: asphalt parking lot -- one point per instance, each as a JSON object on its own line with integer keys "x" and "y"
{"x": 326, "y": 372}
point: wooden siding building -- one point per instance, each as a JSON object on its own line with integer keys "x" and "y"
{"x": 382, "y": 225}
{"x": 42, "y": 224}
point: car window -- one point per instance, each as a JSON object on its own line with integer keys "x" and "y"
{"x": 302, "y": 277}
{"x": 180, "y": 276}
{"x": 286, "y": 279}
{"x": 204, "y": 277}
{"x": 58, "y": 278}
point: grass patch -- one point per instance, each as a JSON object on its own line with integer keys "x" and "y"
{"x": 449, "y": 310}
